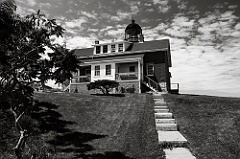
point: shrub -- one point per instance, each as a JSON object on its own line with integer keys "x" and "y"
{"x": 130, "y": 90}
{"x": 103, "y": 85}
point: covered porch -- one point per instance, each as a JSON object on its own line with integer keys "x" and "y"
{"x": 128, "y": 73}
{"x": 83, "y": 75}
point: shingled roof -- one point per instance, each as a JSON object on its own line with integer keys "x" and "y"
{"x": 134, "y": 47}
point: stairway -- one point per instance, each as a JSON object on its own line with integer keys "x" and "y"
{"x": 172, "y": 141}
{"x": 149, "y": 86}
{"x": 150, "y": 83}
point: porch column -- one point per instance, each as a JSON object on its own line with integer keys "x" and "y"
{"x": 78, "y": 74}
{"x": 139, "y": 75}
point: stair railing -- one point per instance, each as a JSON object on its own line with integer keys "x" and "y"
{"x": 67, "y": 88}
{"x": 151, "y": 82}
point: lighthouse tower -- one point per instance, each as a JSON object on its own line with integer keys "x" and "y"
{"x": 133, "y": 33}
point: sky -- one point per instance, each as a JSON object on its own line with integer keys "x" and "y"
{"x": 204, "y": 34}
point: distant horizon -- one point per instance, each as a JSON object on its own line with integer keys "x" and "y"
{"x": 216, "y": 93}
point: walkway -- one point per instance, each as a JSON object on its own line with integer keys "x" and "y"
{"x": 172, "y": 141}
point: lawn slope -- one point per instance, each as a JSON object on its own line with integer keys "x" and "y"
{"x": 210, "y": 124}
{"x": 97, "y": 127}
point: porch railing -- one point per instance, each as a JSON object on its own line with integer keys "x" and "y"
{"x": 151, "y": 83}
{"x": 81, "y": 79}
{"x": 127, "y": 76}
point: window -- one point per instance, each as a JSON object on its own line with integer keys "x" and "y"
{"x": 150, "y": 69}
{"x": 120, "y": 47}
{"x": 113, "y": 49}
{"x": 98, "y": 49}
{"x": 132, "y": 69}
{"x": 97, "y": 70}
{"x": 108, "y": 69}
{"x": 105, "y": 48}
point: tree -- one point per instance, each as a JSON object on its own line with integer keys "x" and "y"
{"x": 23, "y": 41}
{"x": 103, "y": 85}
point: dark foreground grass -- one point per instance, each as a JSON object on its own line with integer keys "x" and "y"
{"x": 210, "y": 124}
{"x": 75, "y": 126}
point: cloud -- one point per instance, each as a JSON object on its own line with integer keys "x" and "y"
{"x": 181, "y": 26}
{"x": 210, "y": 60}
{"x": 75, "y": 23}
{"x": 45, "y": 5}
{"x": 89, "y": 15}
{"x": 28, "y": 2}
{"x": 162, "y": 5}
{"x": 80, "y": 42}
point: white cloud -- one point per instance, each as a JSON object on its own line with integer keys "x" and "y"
{"x": 29, "y": 2}
{"x": 89, "y": 15}
{"x": 45, "y": 5}
{"x": 79, "y": 42}
{"x": 180, "y": 27}
{"x": 162, "y": 5}
{"x": 154, "y": 33}
{"x": 211, "y": 60}
{"x": 75, "y": 27}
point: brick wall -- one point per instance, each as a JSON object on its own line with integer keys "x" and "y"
{"x": 161, "y": 70}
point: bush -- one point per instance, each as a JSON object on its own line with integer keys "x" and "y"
{"x": 130, "y": 90}
{"x": 103, "y": 85}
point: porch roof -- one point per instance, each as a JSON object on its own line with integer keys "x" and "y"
{"x": 147, "y": 46}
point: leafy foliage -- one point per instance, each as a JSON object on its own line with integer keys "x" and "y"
{"x": 103, "y": 85}
{"x": 23, "y": 42}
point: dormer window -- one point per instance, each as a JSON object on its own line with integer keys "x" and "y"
{"x": 113, "y": 48}
{"x": 120, "y": 47}
{"x": 98, "y": 49}
{"x": 105, "y": 48}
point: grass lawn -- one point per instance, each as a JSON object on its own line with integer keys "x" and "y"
{"x": 210, "y": 124}
{"x": 74, "y": 126}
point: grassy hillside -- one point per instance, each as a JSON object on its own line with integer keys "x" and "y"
{"x": 210, "y": 124}
{"x": 73, "y": 126}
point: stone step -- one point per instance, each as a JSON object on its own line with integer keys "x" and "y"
{"x": 171, "y": 139}
{"x": 158, "y": 99}
{"x": 178, "y": 153}
{"x": 166, "y": 126}
{"x": 161, "y": 107}
{"x": 161, "y": 110}
{"x": 159, "y": 93}
{"x": 163, "y": 115}
{"x": 159, "y": 104}
{"x": 165, "y": 121}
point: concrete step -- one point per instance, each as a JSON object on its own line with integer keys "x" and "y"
{"x": 171, "y": 138}
{"x": 178, "y": 153}
{"x": 159, "y": 121}
{"x": 163, "y": 115}
{"x": 166, "y": 126}
{"x": 158, "y": 99}
{"x": 161, "y": 110}
{"x": 159, "y": 93}
{"x": 160, "y": 104}
{"x": 161, "y": 107}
